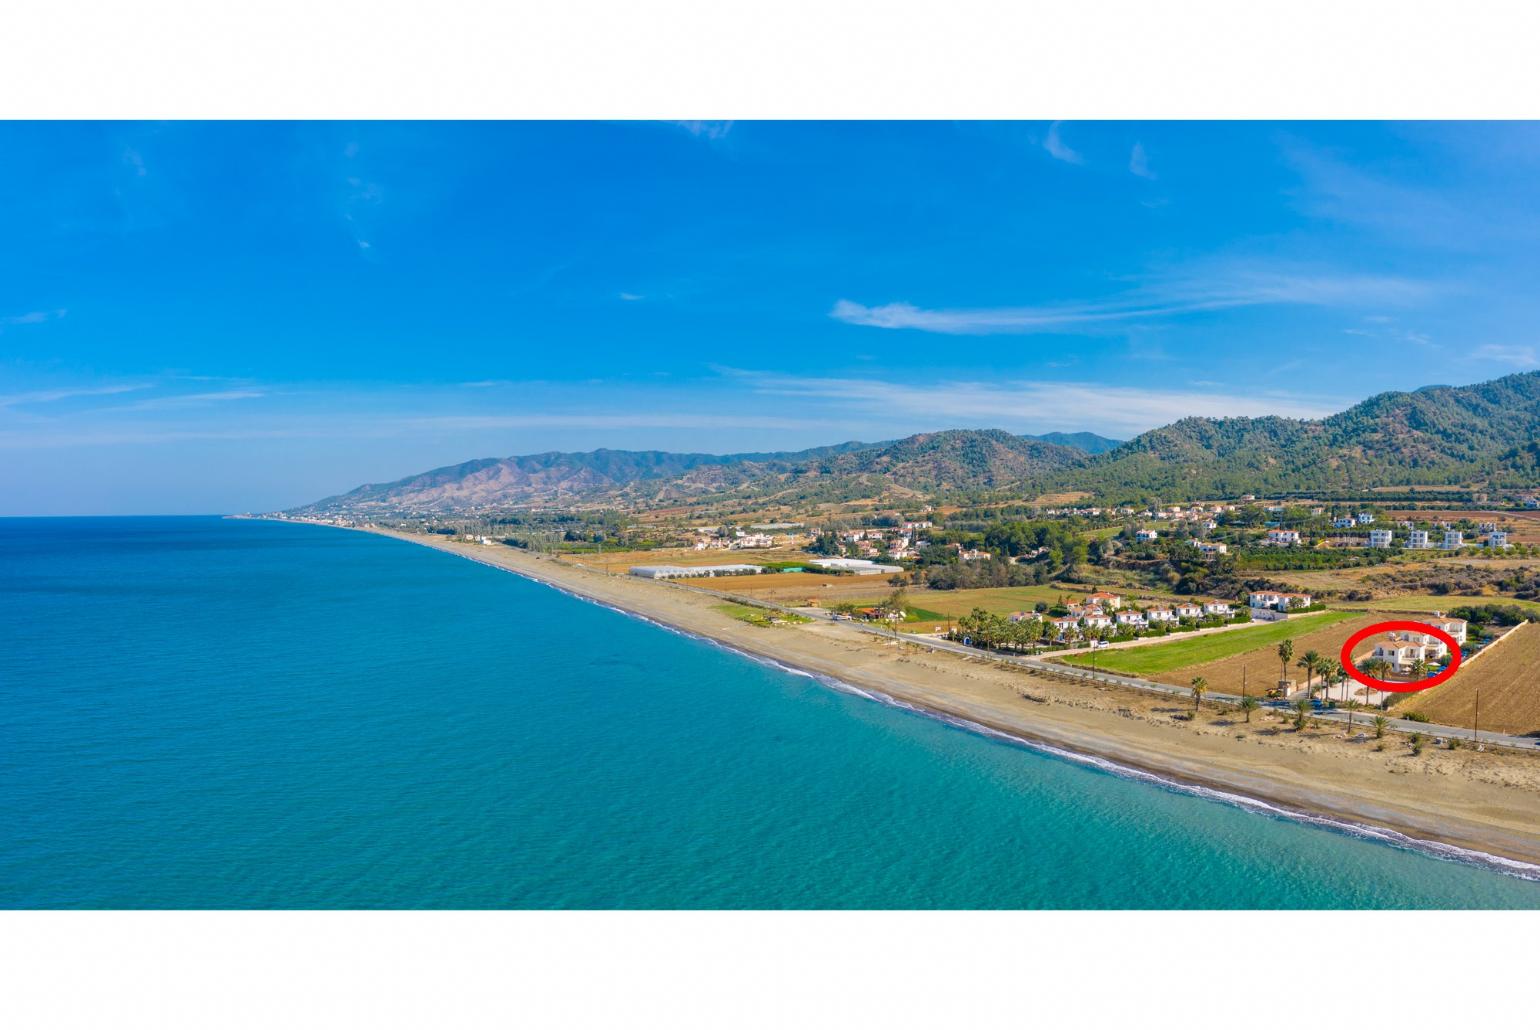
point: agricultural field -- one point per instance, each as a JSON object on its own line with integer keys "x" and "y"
{"x": 1220, "y": 657}
{"x": 1425, "y": 603}
{"x": 1508, "y": 679}
{"x": 622, "y": 561}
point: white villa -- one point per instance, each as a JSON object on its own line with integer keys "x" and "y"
{"x": 1109, "y": 601}
{"x": 1278, "y": 600}
{"x": 1453, "y": 540}
{"x": 1210, "y": 550}
{"x": 1497, "y": 538}
{"x": 1131, "y": 619}
{"x": 1217, "y": 608}
{"x": 1160, "y": 615}
{"x": 1380, "y": 537}
{"x": 1417, "y": 539}
{"x": 1403, "y": 649}
{"x": 1346, "y": 522}
{"x": 1365, "y": 518}
{"x": 1283, "y": 537}
{"x": 1145, "y": 535}
{"x": 1096, "y": 619}
{"x": 747, "y": 541}
{"x": 1188, "y": 610}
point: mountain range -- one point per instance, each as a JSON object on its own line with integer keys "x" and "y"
{"x": 1486, "y": 434}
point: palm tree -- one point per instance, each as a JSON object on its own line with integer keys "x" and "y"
{"x": 1199, "y": 688}
{"x": 1311, "y": 663}
{"x": 1380, "y": 722}
{"x": 1418, "y": 668}
{"x": 1285, "y": 655}
{"x": 1249, "y": 704}
{"x": 1335, "y": 673}
{"x": 1301, "y": 713}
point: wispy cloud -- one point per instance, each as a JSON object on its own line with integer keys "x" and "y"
{"x": 1518, "y": 356}
{"x": 30, "y": 397}
{"x": 33, "y": 317}
{"x": 1058, "y": 149}
{"x": 1139, "y": 162}
{"x": 1233, "y": 287}
{"x": 1037, "y": 405}
{"x": 706, "y": 130}
{"x": 630, "y": 296}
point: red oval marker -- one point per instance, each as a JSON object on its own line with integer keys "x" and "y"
{"x": 1411, "y": 627}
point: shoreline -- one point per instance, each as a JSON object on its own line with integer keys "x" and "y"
{"x": 1504, "y": 839}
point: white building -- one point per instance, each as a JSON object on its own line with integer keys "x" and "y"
{"x": 1217, "y": 608}
{"x": 1453, "y": 540}
{"x": 1403, "y": 649}
{"x": 1346, "y": 522}
{"x": 1103, "y": 599}
{"x": 1497, "y": 538}
{"x": 1211, "y": 550}
{"x": 1380, "y": 537}
{"x": 859, "y": 566}
{"x": 1366, "y": 518}
{"x": 748, "y": 541}
{"x": 1131, "y": 619}
{"x": 1188, "y": 610}
{"x": 693, "y": 571}
{"x": 1417, "y": 539}
{"x": 1147, "y": 535}
{"x": 1283, "y": 537}
{"x": 1278, "y": 600}
{"x": 1160, "y": 615}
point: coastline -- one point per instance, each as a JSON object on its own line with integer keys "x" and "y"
{"x": 1483, "y": 809}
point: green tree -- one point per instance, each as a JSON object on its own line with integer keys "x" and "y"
{"x": 1310, "y": 661}
{"x": 1285, "y": 655}
{"x": 1380, "y": 722}
{"x": 1301, "y": 714}
{"x": 1249, "y": 704}
{"x": 1199, "y": 688}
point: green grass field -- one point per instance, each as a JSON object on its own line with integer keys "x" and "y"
{"x": 1163, "y": 655}
{"x": 758, "y": 616}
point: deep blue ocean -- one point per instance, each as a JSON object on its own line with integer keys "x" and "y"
{"x": 199, "y": 712}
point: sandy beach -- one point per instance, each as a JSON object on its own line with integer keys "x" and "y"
{"x": 1486, "y": 802}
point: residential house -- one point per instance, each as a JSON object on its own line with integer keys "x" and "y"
{"x": 1217, "y": 608}
{"x": 973, "y": 554}
{"x": 1103, "y": 599}
{"x": 1283, "y": 537}
{"x": 749, "y": 541}
{"x": 1147, "y": 535}
{"x": 1366, "y": 518}
{"x": 1278, "y": 600}
{"x": 1346, "y": 522}
{"x": 1380, "y": 537}
{"x": 1096, "y": 619}
{"x": 1160, "y": 615}
{"x": 1211, "y": 550}
{"x": 1064, "y": 627}
{"x": 1132, "y": 618}
{"x": 1497, "y": 538}
{"x": 1453, "y": 540}
{"x": 1188, "y": 610}
{"x": 1417, "y": 539}
{"x": 1403, "y": 649}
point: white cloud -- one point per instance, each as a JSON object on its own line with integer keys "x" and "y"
{"x": 707, "y": 130}
{"x": 1205, "y": 289}
{"x": 1139, "y": 162}
{"x": 34, "y": 317}
{"x": 1057, "y": 147}
{"x": 630, "y": 296}
{"x": 1036, "y": 405}
{"x": 1518, "y": 356}
{"x": 67, "y": 393}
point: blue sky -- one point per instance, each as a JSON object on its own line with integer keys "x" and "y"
{"x": 242, "y": 316}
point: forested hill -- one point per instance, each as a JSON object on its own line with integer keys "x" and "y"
{"x": 946, "y": 462}
{"x": 1486, "y": 434}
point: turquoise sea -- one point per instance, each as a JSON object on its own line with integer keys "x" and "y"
{"x": 199, "y": 712}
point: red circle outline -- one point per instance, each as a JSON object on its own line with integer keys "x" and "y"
{"x": 1400, "y": 688}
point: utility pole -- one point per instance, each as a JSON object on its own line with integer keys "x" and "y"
{"x": 1476, "y": 729}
